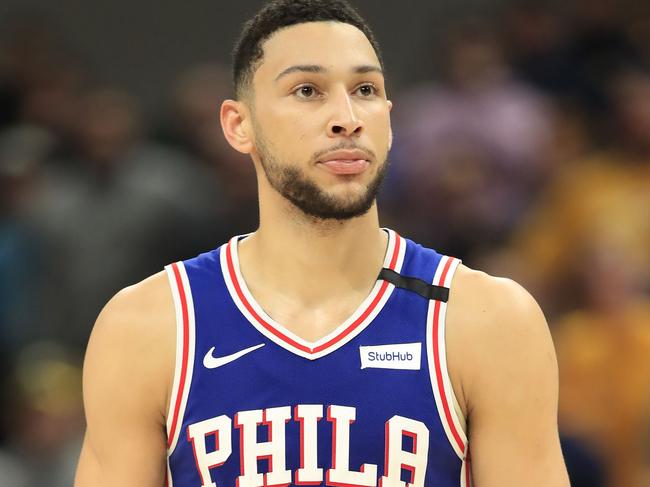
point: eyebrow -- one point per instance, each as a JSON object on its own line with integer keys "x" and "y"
{"x": 315, "y": 68}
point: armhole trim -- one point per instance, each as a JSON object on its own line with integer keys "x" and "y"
{"x": 451, "y": 419}
{"x": 184, "y": 365}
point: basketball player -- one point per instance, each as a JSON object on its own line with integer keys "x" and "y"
{"x": 320, "y": 349}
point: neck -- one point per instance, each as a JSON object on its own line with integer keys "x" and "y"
{"x": 313, "y": 260}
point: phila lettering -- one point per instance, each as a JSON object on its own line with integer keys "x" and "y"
{"x": 221, "y": 428}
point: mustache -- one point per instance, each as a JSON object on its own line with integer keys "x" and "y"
{"x": 345, "y": 146}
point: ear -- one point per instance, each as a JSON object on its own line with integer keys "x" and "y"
{"x": 235, "y": 123}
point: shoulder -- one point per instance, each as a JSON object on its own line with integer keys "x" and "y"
{"x": 496, "y": 335}
{"x": 139, "y": 312}
{"x": 133, "y": 341}
{"x": 479, "y": 300}
{"x": 127, "y": 375}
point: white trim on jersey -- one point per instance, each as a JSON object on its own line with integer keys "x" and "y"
{"x": 169, "y": 482}
{"x": 185, "y": 343}
{"x": 465, "y": 470}
{"x": 283, "y": 337}
{"x": 437, "y": 357}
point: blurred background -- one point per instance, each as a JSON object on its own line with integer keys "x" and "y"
{"x": 522, "y": 146}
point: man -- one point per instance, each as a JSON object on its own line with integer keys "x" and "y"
{"x": 281, "y": 358}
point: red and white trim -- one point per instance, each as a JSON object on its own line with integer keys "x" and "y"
{"x": 168, "y": 476}
{"x": 437, "y": 356}
{"x": 465, "y": 471}
{"x": 277, "y": 333}
{"x": 185, "y": 333}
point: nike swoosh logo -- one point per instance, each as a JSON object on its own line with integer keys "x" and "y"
{"x": 212, "y": 362}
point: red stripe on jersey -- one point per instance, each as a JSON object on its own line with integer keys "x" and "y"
{"x": 186, "y": 346}
{"x": 251, "y": 310}
{"x": 436, "y": 355}
{"x": 357, "y": 322}
{"x": 386, "y": 450}
{"x": 269, "y": 327}
{"x": 393, "y": 260}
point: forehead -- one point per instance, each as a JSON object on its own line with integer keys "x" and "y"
{"x": 333, "y": 45}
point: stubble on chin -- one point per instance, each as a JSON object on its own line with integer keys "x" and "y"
{"x": 305, "y": 194}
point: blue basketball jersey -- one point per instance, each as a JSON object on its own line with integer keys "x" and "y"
{"x": 370, "y": 404}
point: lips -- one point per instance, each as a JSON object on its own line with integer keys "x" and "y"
{"x": 345, "y": 162}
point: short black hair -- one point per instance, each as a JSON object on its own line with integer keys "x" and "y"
{"x": 278, "y": 14}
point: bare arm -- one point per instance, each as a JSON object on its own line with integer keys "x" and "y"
{"x": 127, "y": 372}
{"x": 506, "y": 367}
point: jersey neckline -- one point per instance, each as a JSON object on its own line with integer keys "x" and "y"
{"x": 279, "y": 334}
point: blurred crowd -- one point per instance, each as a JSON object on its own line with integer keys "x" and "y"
{"x": 528, "y": 157}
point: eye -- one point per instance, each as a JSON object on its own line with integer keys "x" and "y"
{"x": 366, "y": 90}
{"x": 306, "y": 92}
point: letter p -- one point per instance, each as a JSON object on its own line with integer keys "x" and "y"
{"x": 221, "y": 428}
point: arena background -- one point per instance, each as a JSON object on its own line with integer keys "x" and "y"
{"x": 522, "y": 146}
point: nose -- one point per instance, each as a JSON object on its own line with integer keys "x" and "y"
{"x": 344, "y": 121}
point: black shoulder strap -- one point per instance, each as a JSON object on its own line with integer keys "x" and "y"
{"x": 423, "y": 288}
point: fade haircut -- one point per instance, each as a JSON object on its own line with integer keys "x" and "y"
{"x": 278, "y": 14}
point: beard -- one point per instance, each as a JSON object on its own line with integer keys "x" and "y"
{"x": 305, "y": 194}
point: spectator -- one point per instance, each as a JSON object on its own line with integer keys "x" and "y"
{"x": 193, "y": 127}
{"x": 45, "y": 418}
{"x": 474, "y": 146}
{"x": 116, "y": 210}
{"x": 22, "y": 153}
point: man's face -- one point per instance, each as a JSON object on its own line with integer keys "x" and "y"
{"x": 321, "y": 118}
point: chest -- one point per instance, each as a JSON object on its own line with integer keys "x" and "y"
{"x": 364, "y": 407}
